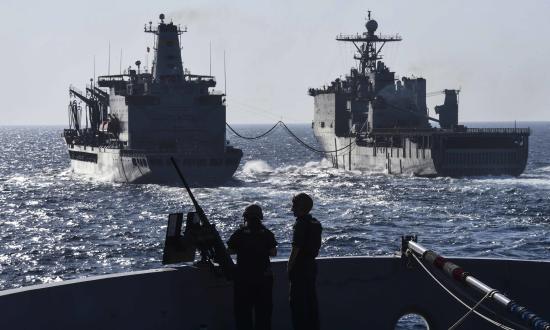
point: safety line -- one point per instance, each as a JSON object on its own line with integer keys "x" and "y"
{"x": 459, "y": 322}
{"x": 486, "y": 318}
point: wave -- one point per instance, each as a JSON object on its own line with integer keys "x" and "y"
{"x": 253, "y": 167}
{"x": 322, "y": 169}
{"x": 545, "y": 169}
{"x": 524, "y": 180}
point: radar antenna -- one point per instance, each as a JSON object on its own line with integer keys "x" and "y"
{"x": 368, "y": 50}
{"x": 151, "y": 29}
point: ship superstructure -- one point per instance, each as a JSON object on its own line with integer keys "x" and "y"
{"x": 137, "y": 121}
{"x": 375, "y": 122}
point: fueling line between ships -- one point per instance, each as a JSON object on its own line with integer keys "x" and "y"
{"x": 136, "y": 121}
{"x": 292, "y": 134}
{"x": 312, "y": 148}
{"x": 253, "y": 137}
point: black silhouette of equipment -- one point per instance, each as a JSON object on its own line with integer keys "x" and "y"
{"x": 199, "y": 235}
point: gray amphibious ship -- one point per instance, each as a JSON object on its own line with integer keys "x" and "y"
{"x": 136, "y": 121}
{"x": 375, "y": 122}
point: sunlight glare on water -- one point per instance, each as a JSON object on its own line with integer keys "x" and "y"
{"x": 56, "y": 225}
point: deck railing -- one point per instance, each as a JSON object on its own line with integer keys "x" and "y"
{"x": 430, "y": 131}
{"x": 499, "y": 130}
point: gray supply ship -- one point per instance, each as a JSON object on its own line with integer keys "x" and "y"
{"x": 137, "y": 121}
{"x": 371, "y": 121}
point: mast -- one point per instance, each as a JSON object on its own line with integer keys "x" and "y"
{"x": 167, "y": 63}
{"x": 368, "y": 52}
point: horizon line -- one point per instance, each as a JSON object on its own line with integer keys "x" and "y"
{"x": 307, "y": 123}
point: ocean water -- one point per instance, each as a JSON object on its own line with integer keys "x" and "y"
{"x": 56, "y": 225}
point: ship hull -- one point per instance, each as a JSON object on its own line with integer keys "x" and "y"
{"x": 432, "y": 157}
{"x": 371, "y": 293}
{"x": 416, "y": 150}
{"x": 142, "y": 167}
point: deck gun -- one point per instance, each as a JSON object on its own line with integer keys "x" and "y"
{"x": 199, "y": 235}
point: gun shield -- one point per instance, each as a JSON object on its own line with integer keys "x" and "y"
{"x": 177, "y": 248}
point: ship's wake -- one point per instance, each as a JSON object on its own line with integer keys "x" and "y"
{"x": 310, "y": 176}
{"x": 256, "y": 167}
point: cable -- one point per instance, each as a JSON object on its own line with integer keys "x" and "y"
{"x": 253, "y": 137}
{"x": 459, "y": 322}
{"x": 310, "y": 147}
{"x": 458, "y": 299}
{"x": 500, "y": 325}
{"x": 292, "y": 134}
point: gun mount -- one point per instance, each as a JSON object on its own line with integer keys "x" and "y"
{"x": 199, "y": 235}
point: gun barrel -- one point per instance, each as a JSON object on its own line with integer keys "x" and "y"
{"x": 198, "y": 208}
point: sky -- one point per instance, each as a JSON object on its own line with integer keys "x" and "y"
{"x": 495, "y": 51}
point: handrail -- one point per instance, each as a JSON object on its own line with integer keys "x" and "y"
{"x": 116, "y": 78}
{"x": 417, "y": 131}
{"x": 367, "y": 37}
{"x": 505, "y": 130}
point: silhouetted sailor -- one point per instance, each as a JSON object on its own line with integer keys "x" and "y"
{"x": 254, "y": 244}
{"x": 302, "y": 267}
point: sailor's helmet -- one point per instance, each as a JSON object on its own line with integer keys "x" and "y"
{"x": 253, "y": 211}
